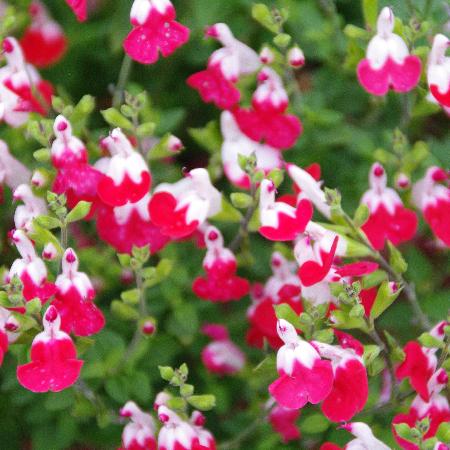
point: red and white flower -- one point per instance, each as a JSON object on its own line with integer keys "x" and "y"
{"x": 236, "y": 143}
{"x": 221, "y": 356}
{"x": 139, "y": 433}
{"x": 180, "y": 208}
{"x": 12, "y": 172}
{"x": 388, "y": 64}
{"x": 43, "y": 42}
{"x": 438, "y": 72}
{"x": 129, "y": 225}
{"x": 79, "y": 7}
{"x": 304, "y": 376}
{"x": 155, "y": 31}
{"x": 283, "y": 421}
{"x": 75, "y": 177}
{"x": 54, "y": 365}
{"x": 206, "y": 439}
{"x": 296, "y": 57}
{"x": 126, "y": 177}
{"x": 32, "y": 207}
{"x": 266, "y": 56}
{"x": 388, "y": 219}
{"x": 269, "y": 104}
{"x": 346, "y": 398}
{"x": 365, "y": 439}
{"x": 30, "y": 269}
{"x": 226, "y": 65}
{"x": 17, "y": 81}
{"x": 280, "y": 221}
{"x": 74, "y": 299}
{"x": 431, "y": 195}
{"x": 221, "y": 283}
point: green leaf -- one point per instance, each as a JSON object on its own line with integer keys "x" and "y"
{"x": 370, "y": 12}
{"x": 208, "y": 137}
{"x": 228, "y": 213}
{"x": 42, "y": 155}
{"x": 355, "y": 32}
{"x": 282, "y": 40}
{"x": 429, "y": 341}
{"x": 374, "y": 279}
{"x": 405, "y": 432}
{"x": 325, "y": 336}
{"x": 114, "y": 118}
{"x": 361, "y": 215}
{"x": 443, "y": 432}
{"x": 202, "y": 402}
{"x": 186, "y": 390}
{"x": 262, "y": 14}
{"x": 314, "y": 424}
{"x": 276, "y": 176}
{"x": 42, "y": 237}
{"x": 80, "y": 211}
{"x": 33, "y": 306}
{"x": 164, "y": 268}
{"x": 285, "y": 311}
{"x": 385, "y": 297}
{"x": 166, "y": 372}
{"x": 48, "y": 222}
{"x": 124, "y": 259}
{"x": 396, "y": 259}
{"x": 130, "y": 297}
{"x": 370, "y": 353}
{"x": 241, "y": 200}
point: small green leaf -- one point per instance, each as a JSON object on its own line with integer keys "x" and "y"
{"x": 166, "y": 372}
{"x": 443, "y": 432}
{"x": 385, "y": 297}
{"x": 405, "y": 432}
{"x": 396, "y": 259}
{"x": 262, "y": 14}
{"x": 361, "y": 215}
{"x": 370, "y": 353}
{"x": 186, "y": 390}
{"x": 429, "y": 341}
{"x": 33, "y": 306}
{"x": 325, "y": 336}
{"x": 114, "y": 118}
{"x": 285, "y": 311}
{"x": 124, "y": 259}
{"x": 48, "y": 222}
{"x": 80, "y": 211}
{"x": 276, "y": 176}
{"x": 314, "y": 424}
{"x": 124, "y": 311}
{"x": 209, "y": 137}
{"x": 240, "y": 200}
{"x": 43, "y": 155}
{"x": 202, "y": 402}
{"x": 282, "y": 40}
{"x": 130, "y": 297}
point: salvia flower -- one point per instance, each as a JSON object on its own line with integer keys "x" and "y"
{"x": 388, "y": 64}
{"x": 155, "y": 31}
{"x": 365, "y": 439}
{"x": 179, "y": 209}
{"x": 74, "y": 299}
{"x": 221, "y": 356}
{"x": 296, "y": 58}
{"x": 388, "y": 219}
{"x": 126, "y": 177}
{"x": 49, "y": 252}
{"x": 283, "y": 421}
{"x": 280, "y": 221}
{"x": 269, "y": 104}
{"x": 32, "y": 207}
{"x": 79, "y": 7}
{"x": 43, "y": 42}
{"x": 303, "y": 376}
{"x": 139, "y": 433}
{"x": 12, "y": 172}
{"x": 438, "y": 72}
{"x": 266, "y": 56}
{"x": 206, "y": 439}
{"x": 54, "y": 365}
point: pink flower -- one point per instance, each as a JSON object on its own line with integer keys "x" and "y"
{"x": 438, "y": 72}
{"x": 221, "y": 283}
{"x": 221, "y": 356}
{"x": 280, "y": 221}
{"x": 346, "y": 398}
{"x": 436, "y": 409}
{"x": 388, "y": 219}
{"x": 129, "y": 225}
{"x": 179, "y": 209}
{"x": 74, "y": 299}
{"x": 206, "y": 439}
{"x": 49, "y": 252}
{"x": 365, "y": 440}
{"x": 126, "y": 175}
{"x": 266, "y": 56}
{"x": 388, "y": 63}
{"x": 53, "y": 365}
{"x": 216, "y": 84}
{"x": 30, "y": 269}
{"x": 33, "y": 207}
{"x": 236, "y": 143}
{"x": 296, "y": 58}
{"x": 139, "y": 433}
{"x": 12, "y": 172}
{"x": 75, "y": 177}
{"x": 79, "y": 7}
{"x": 433, "y": 199}
{"x": 283, "y": 422}
{"x": 154, "y": 30}
{"x": 269, "y": 103}
{"x": 17, "y": 80}
{"x": 43, "y": 42}
{"x": 304, "y": 376}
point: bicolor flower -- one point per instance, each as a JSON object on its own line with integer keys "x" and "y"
{"x": 43, "y": 42}
{"x": 431, "y": 195}
{"x": 388, "y": 64}
{"x": 346, "y": 398}
{"x": 280, "y": 221}
{"x": 283, "y": 421}
{"x": 436, "y": 409}
{"x": 176, "y": 433}
{"x": 221, "y": 356}
{"x": 8, "y": 331}
{"x": 30, "y": 269}
{"x": 17, "y": 81}
{"x": 126, "y": 177}
{"x": 12, "y": 172}
{"x": 182, "y": 207}
{"x": 75, "y": 177}
{"x": 54, "y": 365}
{"x": 303, "y": 376}
{"x": 388, "y": 219}
{"x": 221, "y": 283}
{"x": 74, "y": 299}
{"x": 365, "y": 439}
{"x": 129, "y": 225}
{"x": 236, "y": 143}
{"x": 32, "y": 207}
{"x": 296, "y": 57}
{"x": 438, "y": 72}
{"x": 155, "y": 31}
{"x": 266, "y": 56}
{"x": 226, "y": 65}
{"x": 269, "y": 104}
{"x": 139, "y": 433}
{"x": 79, "y": 7}
{"x": 206, "y": 439}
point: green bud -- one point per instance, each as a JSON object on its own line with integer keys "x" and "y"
{"x": 357, "y": 311}
{"x": 113, "y": 117}
{"x": 282, "y": 40}
{"x": 80, "y": 211}
{"x": 186, "y": 390}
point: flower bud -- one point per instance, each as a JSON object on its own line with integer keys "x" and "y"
{"x": 266, "y": 55}
{"x": 403, "y": 182}
{"x": 49, "y": 253}
{"x": 38, "y": 179}
{"x": 296, "y": 58}
{"x": 174, "y": 144}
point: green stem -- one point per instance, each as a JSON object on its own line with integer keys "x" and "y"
{"x": 124, "y": 75}
{"x": 64, "y": 236}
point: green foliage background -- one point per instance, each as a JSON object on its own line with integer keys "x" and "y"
{"x": 344, "y": 131}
